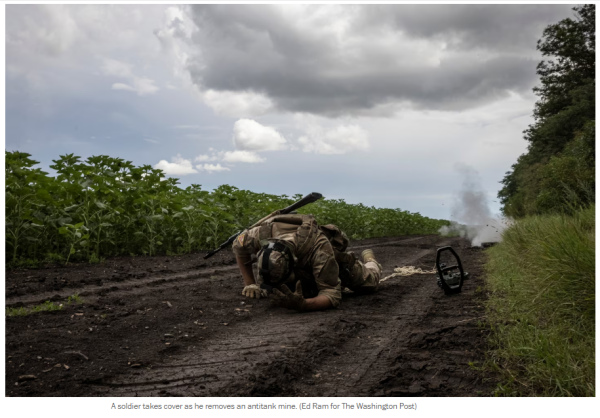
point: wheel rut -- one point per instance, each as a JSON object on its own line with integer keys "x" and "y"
{"x": 244, "y": 352}
{"x": 120, "y": 286}
{"x": 176, "y": 326}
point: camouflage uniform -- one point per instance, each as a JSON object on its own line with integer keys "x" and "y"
{"x": 357, "y": 276}
{"x": 314, "y": 250}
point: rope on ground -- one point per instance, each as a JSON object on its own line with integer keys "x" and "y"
{"x": 408, "y": 271}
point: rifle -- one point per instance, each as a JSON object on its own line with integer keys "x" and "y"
{"x": 309, "y": 198}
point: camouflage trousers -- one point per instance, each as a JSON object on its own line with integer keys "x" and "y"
{"x": 363, "y": 278}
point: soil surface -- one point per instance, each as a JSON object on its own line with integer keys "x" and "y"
{"x": 179, "y": 326}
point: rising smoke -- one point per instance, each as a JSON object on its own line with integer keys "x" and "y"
{"x": 470, "y": 212}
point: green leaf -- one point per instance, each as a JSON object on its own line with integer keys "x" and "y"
{"x": 100, "y": 204}
{"x": 63, "y": 221}
{"x": 71, "y": 207}
{"x": 72, "y": 251}
{"x": 105, "y": 224}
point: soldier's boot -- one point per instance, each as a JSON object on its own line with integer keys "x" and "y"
{"x": 368, "y": 255}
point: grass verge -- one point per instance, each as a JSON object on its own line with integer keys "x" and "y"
{"x": 44, "y": 307}
{"x": 541, "y": 306}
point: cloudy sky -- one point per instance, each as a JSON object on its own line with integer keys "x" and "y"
{"x": 374, "y": 104}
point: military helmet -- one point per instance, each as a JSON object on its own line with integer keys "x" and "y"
{"x": 275, "y": 262}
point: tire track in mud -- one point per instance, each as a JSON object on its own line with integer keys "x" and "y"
{"x": 407, "y": 339}
{"x": 365, "y": 358}
{"x": 240, "y": 360}
{"x": 120, "y": 287}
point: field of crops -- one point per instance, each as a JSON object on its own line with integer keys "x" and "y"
{"x": 106, "y": 206}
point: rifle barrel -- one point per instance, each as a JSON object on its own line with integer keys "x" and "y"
{"x": 309, "y": 198}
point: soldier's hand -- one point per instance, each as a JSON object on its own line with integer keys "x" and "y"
{"x": 254, "y": 291}
{"x": 290, "y": 300}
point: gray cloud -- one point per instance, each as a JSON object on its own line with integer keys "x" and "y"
{"x": 336, "y": 60}
{"x": 507, "y": 28}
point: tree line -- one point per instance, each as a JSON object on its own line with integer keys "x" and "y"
{"x": 557, "y": 173}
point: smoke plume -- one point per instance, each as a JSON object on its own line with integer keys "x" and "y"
{"x": 470, "y": 212}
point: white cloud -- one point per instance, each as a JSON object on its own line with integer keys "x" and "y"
{"x": 241, "y": 157}
{"x": 237, "y": 104}
{"x": 252, "y": 136}
{"x": 144, "y": 86}
{"x": 151, "y": 140}
{"x": 178, "y": 167}
{"x": 49, "y": 29}
{"x": 175, "y": 25}
{"x": 211, "y": 167}
{"x": 121, "y": 86}
{"x": 140, "y": 85}
{"x": 339, "y": 140}
{"x": 204, "y": 157}
{"x": 116, "y": 68}
{"x": 230, "y": 157}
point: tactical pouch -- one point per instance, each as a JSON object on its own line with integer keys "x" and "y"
{"x": 309, "y": 285}
{"x": 345, "y": 258}
{"x": 345, "y": 274}
{"x": 338, "y": 239}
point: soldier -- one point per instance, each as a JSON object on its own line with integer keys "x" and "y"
{"x": 294, "y": 249}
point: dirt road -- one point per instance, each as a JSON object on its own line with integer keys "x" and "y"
{"x": 170, "y": 326}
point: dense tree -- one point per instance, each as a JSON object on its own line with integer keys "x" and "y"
{"x": 566, "y": 105}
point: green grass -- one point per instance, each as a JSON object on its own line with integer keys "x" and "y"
{"x": 541, "y": 307}
{"x": 44, "y": 307}
{"x": 75, "y": 300}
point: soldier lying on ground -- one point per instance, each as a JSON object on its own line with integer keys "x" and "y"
{"x": 293, "y": 251}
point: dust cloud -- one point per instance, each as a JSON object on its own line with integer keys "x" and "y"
{"x": 470, "y": 213}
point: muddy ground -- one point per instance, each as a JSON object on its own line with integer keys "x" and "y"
{"x": 179, "y": 326}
